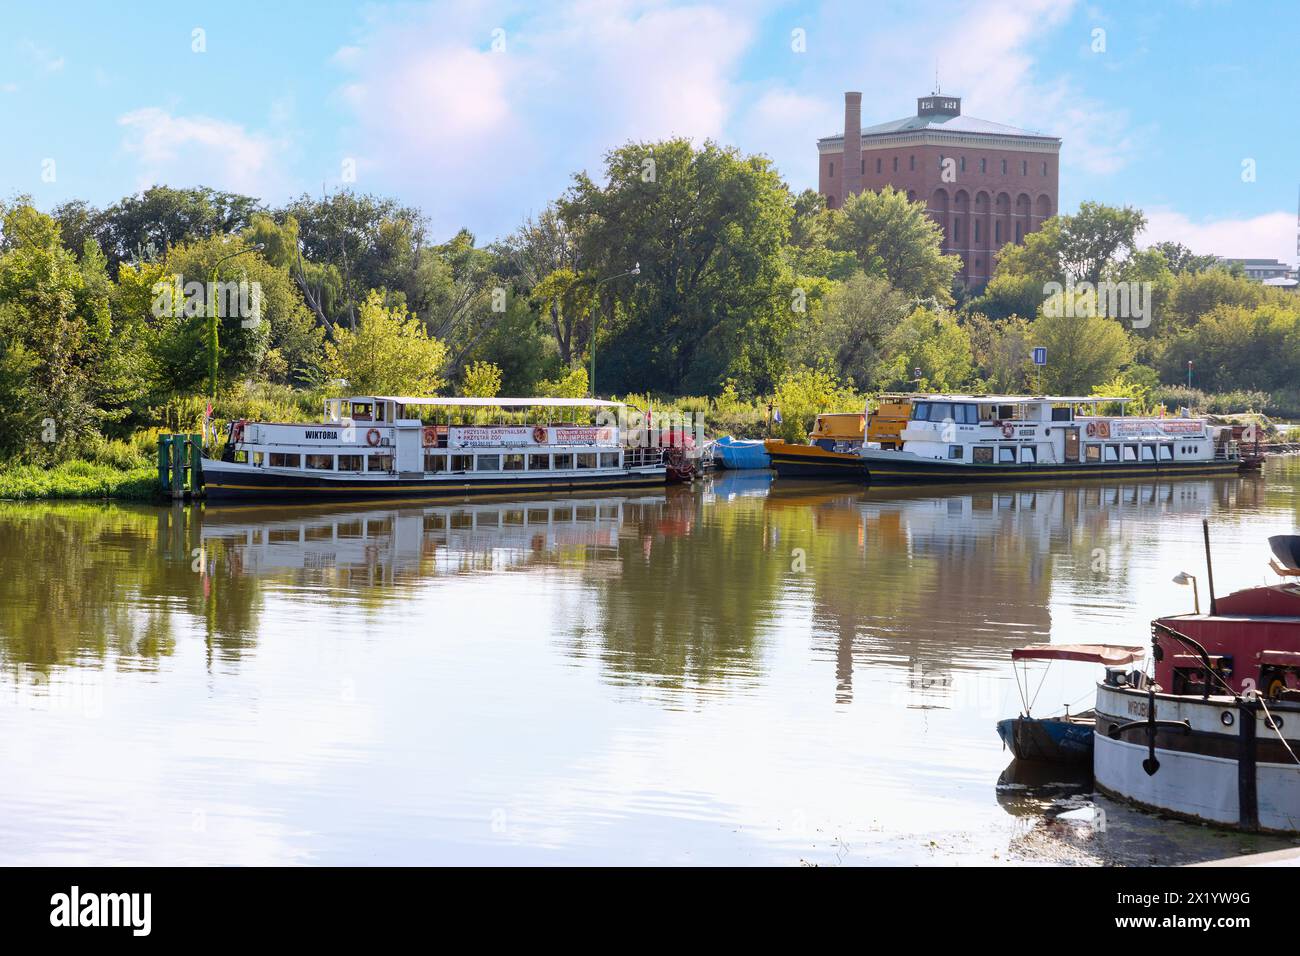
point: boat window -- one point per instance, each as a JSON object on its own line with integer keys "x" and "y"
{"x": 281, "y": 460}
{"x": 609, "y": 459}
{"x": 1006, "y": 412}
{"x": 361, "y": 411}
{"x": 241, "y": 457}
{"x": 969, "y": 414}
{"x": 432, "y": 462}
{"x": 379, "y": 463}
{"x": 539, "y": 462}
{"x": 462, "y": 462}
{"x": 512, "y": 462}
{"x": 1130, "y": 452}
{"x": 956, "y": 451}
{"x": 1092, "y": 453}
{"x": 1166, "y": 452}
{"x": 1112, "y": 452}
{"x": 1007, "y": 454}
{"x": 586, "y": 461}
{"x": 1062, "y": 413}
{"x": 349, "y": 462}
{"x": 940, "y": 412}
{"x": 488, "y": 463}
{"x": 1148, "y": 453}
{"x": 258, "y": 458}
{"x": 1029, "y": 453}
{"x": 564, "y": 461}
{"x": 920, "y": 411}
{"x": 982, "y": 455}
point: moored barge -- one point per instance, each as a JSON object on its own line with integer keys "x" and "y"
{"x": 392, "y": 447}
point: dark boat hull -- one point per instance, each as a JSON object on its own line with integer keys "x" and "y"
{"x": 883, "y": 471}
{"x": 224, "y": 485}
{"x": 1050, "y": 740}
{"x": 810, "y": 461}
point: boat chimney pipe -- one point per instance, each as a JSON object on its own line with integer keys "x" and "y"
{"x": 1209, "y": 565}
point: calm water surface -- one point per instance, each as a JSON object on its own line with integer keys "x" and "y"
{"x": 744, "y": 673}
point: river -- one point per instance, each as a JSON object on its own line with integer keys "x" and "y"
{"x": 746, "y": 672}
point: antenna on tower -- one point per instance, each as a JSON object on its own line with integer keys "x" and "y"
{"x": 937, "y": 88}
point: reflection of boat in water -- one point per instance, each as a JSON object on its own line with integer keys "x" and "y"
{"x": 398, "y": 538}
{"x": 1065, "y": 738}
{"x": 1215, "y": 737}
{"x": 733, "y": 484}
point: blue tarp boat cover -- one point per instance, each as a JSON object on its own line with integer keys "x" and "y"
{"x": 741, "y": 453}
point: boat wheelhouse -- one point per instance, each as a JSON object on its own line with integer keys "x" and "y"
{"x": 1001, "y": 437}
{"x": 1215, "y": 736}
{"x": 834, "y": 444}
{"x": 392, "y": 446}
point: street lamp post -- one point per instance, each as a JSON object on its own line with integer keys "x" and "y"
{"x": 212, "y": 316}
{"x": 595, "y": 319}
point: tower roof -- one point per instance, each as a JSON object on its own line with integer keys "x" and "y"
{"x": 941, "y": 113}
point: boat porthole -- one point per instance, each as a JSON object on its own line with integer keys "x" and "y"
{"x": 1273, "y": 723}
{"x": 1227, "y": 718}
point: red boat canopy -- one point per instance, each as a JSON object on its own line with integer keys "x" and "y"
{"x": 1110, "y": 654}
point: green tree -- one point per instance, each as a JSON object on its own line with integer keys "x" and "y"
{"x": 389, "y": 353}
{"x": 482, "y": 380}
{"x": 896, "y": 239}
{"x": 1082, "y": 351}
{"x": 850, "y": 330}
{"x": 933, "y": 342}
{"x": 715, "y": 297}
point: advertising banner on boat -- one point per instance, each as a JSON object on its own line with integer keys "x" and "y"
{"x": 1156, "y": 426}
{"x": 523, "y": 435}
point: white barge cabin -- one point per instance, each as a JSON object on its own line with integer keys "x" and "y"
{"x": 1002, "y": 437}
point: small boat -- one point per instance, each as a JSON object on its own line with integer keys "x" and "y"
{"x": 1215, "y": 737}
{"x": 740, "y": 454}
{"x": 393, "y": 447}
{"x": 834, "y": 448}
{"x": 965, "y": 438}
{"x": 1067, "y": 738}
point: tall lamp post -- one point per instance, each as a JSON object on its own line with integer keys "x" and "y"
{"x": 595, "y": 319}
{"x": 212, "y": 316}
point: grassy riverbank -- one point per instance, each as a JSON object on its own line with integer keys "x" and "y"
{"x": 78, "y": 479}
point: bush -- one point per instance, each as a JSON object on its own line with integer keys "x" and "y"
{"x": 78, "y": 479}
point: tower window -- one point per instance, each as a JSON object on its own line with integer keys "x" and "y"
{"x": 1044, "y": 167}
{"x": 984, "y": 165}
{"x": 878, "y": 164}
{"x": 997, "y": 233}
{"x": 977, "y": 230}
{"x": 1004, "y": 167}
{"x": 864, "y": 166}
{"x": 1024, "y": 167}
{"x": 832, "y": 170}
{"x": 963, "y": 164}
{"x": 911, "y": 162}
{"x": 895, "y": 164}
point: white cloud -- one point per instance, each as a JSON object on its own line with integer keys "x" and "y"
{"x": 1269, "y": 236}
{"x": 199, "y": 149}
{"x": 47, "y": 60}
{"x": 476, "y": 134}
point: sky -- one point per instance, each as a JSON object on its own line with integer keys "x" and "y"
{"x": 481, "y": 112}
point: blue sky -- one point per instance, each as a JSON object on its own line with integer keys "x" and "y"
{"x": 480, "y": 112}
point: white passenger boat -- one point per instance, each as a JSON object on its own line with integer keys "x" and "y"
{"x": 959, "y": 438}
{"x": 391, "y": 446}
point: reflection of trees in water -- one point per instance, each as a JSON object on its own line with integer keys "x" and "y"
{"x": 693, "y": 591}
{"x": 84, "y": 581}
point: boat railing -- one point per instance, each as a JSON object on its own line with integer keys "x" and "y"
{"x": 1227, "y": 451}
{"x": 643, "y": 457}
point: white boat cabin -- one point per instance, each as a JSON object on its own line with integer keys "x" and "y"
{"x": 1053, "y": 430}
{"x": 429, "y": 437}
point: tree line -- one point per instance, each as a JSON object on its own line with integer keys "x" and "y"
{"x": 743, "y": 289}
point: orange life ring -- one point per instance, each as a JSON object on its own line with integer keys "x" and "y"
{"x": 372, "y": 437}
{"x": 237, "y": 432}
{"x": 540, "y": 435}
{"x": 1103, "y": 429}
{"x": 429, "y": 436}
{"x": 1008, "y": 431}
{"x": 1092, "y": 429}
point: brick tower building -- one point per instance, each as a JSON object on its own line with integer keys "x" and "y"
{"x": 1000, "y": 184}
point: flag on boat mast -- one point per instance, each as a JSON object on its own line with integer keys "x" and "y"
{"x": 776, "y": 415}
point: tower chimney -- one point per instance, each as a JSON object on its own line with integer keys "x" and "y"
{"x": 852, "y": 158}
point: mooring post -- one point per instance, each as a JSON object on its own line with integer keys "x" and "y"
{"x": 163, "y": 476}
{"x": 178, "y": 466}
{"x": 196, "y": 464}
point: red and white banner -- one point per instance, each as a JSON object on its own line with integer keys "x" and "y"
{"x": 510, "y": 436}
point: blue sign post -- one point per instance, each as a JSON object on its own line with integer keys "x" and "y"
{"x": 1040, "y": 359}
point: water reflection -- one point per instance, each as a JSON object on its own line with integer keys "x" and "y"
{"x": 749, "y": 670}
